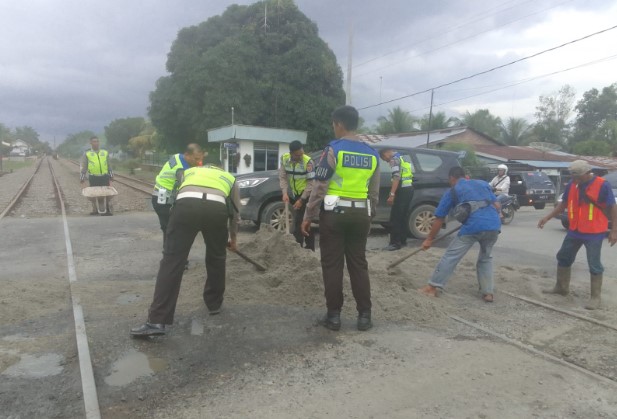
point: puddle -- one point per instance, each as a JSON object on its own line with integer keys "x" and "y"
{"x": 197, "y": 328}
{"x": 31, "y": 366}
{"x": 125, "y": 299}
{"x": 133, "y": 365}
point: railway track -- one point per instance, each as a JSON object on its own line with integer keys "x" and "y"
{"x": 132, "y": 183}
{"x": 22, "y": 191}
{"x": 568, "y": 338}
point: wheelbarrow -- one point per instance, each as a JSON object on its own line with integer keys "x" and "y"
{"x": 101, "y": 197}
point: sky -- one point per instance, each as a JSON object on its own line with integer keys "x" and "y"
{"x": 73, "y": 65}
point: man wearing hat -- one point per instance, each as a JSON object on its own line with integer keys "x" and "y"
{"x": 590, "y": 203}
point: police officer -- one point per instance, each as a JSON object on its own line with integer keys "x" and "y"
{"x": 296, "y": 174}
{"x": 207, "y": 200}
{"x": 401, "y": 193}
{"x": 166, "y": 179}
{"x": 344, "y": 197}
{"x": 95, "y": 165}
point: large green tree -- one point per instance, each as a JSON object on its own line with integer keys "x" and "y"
{"x": 275, "y": 73}
{"x": 597, "y": 116}
{"x": 397, "y": 121}
{"x": 552, "y": 117}
{"x": 438, "y": 120}
{"x": 120, "y": 131}
{"x": 483, "y": 121}
{"x": 75, "y": 144}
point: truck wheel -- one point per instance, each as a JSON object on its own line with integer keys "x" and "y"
{"x": 274, "y": 215}
{"x": 420, "y": 221}
{"x": 539, "y": 206}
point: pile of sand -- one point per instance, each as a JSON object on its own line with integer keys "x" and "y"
{"x": 293, "y": 278}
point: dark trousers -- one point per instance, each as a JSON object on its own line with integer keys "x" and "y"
{"x": 163, "y": 212}
{"x": 398, "y": 216}
{"x": 188, "y": 217}
{"x": 571, "y": 246}
{"x": 298, "y": 216}
{"x": 343, "y": 238}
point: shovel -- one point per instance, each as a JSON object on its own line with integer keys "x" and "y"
{"x": 259, "y": 266}
{"x": 286, "y": 215}
{"x": 404, "y": 258}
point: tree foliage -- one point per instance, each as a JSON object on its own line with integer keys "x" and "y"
{"x": 515, "y": 131}
{"x": 439, "y": 120}
{"x": 483, "y": 121}
{"x": 397, "y": 121}
{"x": 75, "y": 144}
{"x": 592, "y": 148}
{"x": 276, "y": 75}
{"x": 552, "y": 114}
{"x": 120, "y": 131}
{"x": 596, "y": 117}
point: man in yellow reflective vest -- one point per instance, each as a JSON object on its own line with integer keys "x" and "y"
{"x": 400, "y": 196}
{"x": 95, "y": 166}
{"x": 207, "y": 201}
{"x": 296, "y": 176}
{"x": 590, "y": 202}
{"x": 344, "y": 197}
{"x": 166, "y": 179}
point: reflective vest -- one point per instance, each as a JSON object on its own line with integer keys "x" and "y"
{"x": 209, "y": 177}
{"x": 584, "y": 216}
{"x": 297, "y": 172}
{"x": 167, "y": 176}
{"x": 355, "y": 164}
{"x": 97, "y": 162}
{"x": 405, "y": 171}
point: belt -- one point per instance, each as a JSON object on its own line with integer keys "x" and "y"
{"x": 200, "y": 195}
{"x": 350, "y": 204}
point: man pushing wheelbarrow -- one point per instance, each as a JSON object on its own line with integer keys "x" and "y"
{"x": 95, "y": 164}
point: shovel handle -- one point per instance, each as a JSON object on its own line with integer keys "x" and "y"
{"x": 404, "y": 258}
{"x": 248, "y": 259}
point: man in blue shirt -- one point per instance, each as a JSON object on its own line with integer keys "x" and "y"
{"x": 482, "y": 226}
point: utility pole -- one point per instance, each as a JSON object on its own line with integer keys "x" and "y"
{"x": 232, "y": 115}
{"x": 349, "y": 61}
{"x": 430, "y": 119}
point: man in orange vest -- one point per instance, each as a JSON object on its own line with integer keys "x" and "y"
{"x": 590, "y": 202}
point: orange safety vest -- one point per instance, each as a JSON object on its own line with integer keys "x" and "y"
{"x": 584, "y": 216}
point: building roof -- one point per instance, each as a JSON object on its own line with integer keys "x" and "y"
{"x": 419, "y": 138}
{"x": 253, "y": 133}
{"x": 506, "y": 153}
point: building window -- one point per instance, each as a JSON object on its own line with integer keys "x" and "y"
{"x": 265, "y": 157}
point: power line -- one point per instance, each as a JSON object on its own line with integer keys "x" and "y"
{"x": 493, "y": 69}
{"x": 481, "y": 16}
{"x": 458, "y": 41}
{"x": 519, "y": 82}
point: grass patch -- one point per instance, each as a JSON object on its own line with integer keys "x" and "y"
{"x": 11, "y": 165}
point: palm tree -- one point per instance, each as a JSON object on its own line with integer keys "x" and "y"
{"x": 397, "y": 121}
{"x": 515, "y": 131}
{"x": 482, "y": 120}
{"x": 438, "y": 121}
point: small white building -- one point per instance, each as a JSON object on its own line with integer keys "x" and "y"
{"x": 248, "y": 149}
{"x": 20, "y": 148}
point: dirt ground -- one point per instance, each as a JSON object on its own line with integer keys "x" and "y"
{"x": 265, "y": 356}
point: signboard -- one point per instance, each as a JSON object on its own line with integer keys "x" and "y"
{"x": 230, "y": 145}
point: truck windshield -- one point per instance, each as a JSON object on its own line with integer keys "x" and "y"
{"x": 538, "y": 180}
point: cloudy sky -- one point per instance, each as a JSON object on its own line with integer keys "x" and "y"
{"x": 73, "y": 65}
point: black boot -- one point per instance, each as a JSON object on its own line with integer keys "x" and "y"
{"x": 364, "y": 320}
{"x": 332, "y": 320}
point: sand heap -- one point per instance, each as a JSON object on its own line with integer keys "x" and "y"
{"x": 293, "y": 278}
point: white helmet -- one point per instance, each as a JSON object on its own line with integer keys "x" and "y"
{"x": 503, "y": 167}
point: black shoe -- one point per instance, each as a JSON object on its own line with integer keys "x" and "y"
{"x": 94, "y": 213}
{"x": 392, "y": 247}
{"x": 148, "y": 329}
{"x": 364, "y": 320}
{"x": 332, "y": 320}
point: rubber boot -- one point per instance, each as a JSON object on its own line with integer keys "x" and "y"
{"x": 562, "y": 286}
{"x": 596, "y": 289}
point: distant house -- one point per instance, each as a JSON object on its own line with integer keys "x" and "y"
{"x": 248, "y": 149}
{"x": 20, "y": 148}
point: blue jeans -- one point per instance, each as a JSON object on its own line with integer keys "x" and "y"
{"x": 571, "y": 246}
{"x": 501, "y": 198}
{"x": 459, "y": 248}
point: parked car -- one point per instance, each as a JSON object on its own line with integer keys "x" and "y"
{"x": 532, "y": 188}
{"x": 563, "y": 217}
{"x": 260, "y": 194}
